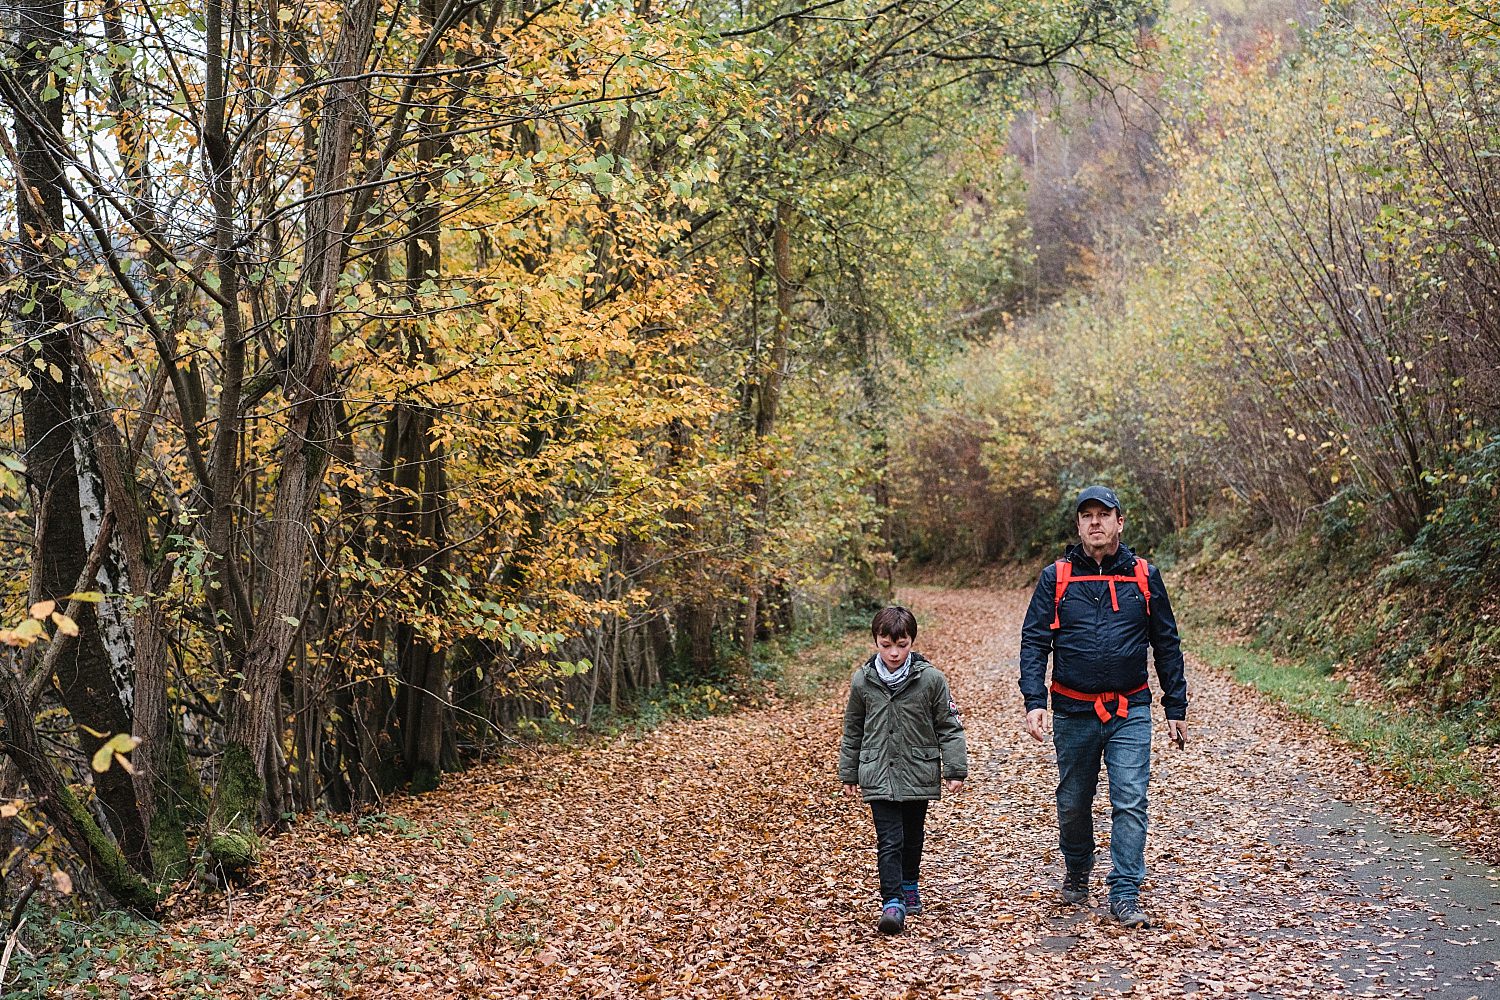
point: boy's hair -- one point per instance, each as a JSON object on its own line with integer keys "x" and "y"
{"x": 894, "y": 622}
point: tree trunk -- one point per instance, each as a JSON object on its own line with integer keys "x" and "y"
{"x": 695, "y": 637}
{"x": 164, "y": 787}
{"x": 421, "y": 531}
{"x": 874, "y": 584}
{"x": 61, "y": 807}
{"x": 89, "y": 690}
{"x": 418, "y": 527}
{"x": 228, "y": 600}
{"x": 767, "y": 405}
{"x": 304, "y": 457}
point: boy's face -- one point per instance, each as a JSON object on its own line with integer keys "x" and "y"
{"x": 893, "y": 651}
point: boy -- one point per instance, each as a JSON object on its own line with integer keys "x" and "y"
{"x": 900, "y": 726}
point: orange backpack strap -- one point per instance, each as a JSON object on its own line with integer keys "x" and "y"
{"x": 1107, "y": 704}
{"x": 1142, "y": 580}
{"x": 1064, "y": 577}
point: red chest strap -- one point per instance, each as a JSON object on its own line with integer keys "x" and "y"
{"x": 1065, "y": 576}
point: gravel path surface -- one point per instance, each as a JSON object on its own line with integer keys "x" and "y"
{"x": 716, "y": 859}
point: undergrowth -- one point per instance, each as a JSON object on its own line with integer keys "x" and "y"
{"x": 1395, "y": 646}
{"x": 795, "y": 666}
{"x": 75, "y": 948}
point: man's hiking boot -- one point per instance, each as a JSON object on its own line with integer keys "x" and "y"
{"x": 1129, "y": 913}
{"x": 1075, "y": 887}
{"x": 892, "y": 917}
{"x": 912, "y": 897}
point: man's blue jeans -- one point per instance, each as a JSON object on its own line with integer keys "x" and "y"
{"x": 1124, "y": 745}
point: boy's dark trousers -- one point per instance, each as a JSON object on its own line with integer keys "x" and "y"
{"x": 898, "y": 843}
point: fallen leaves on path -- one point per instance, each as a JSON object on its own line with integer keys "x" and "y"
{"x": 717, "y": 859}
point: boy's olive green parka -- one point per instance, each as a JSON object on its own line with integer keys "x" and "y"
{"x": 902, "y": 747}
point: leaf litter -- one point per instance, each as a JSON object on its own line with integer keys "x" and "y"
{"x": 717, "y": 859}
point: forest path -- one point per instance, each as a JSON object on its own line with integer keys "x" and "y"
{"x": 716, "y": 858}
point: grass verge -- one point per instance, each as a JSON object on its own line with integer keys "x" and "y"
{"x": 1426, "y": 753}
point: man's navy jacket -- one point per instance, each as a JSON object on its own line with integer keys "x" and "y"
{"x": 1097, "y": 649}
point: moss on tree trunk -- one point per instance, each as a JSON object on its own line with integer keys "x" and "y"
{"x": 61, "y": 806}
{"x": 105, "y": 860}
{"x": 180, "y": 797}
{"x": 232, "y": 843}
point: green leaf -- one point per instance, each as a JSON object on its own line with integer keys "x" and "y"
{"x": 120, "y": 743}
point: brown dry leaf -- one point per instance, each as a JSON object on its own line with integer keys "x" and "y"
{"x": 716, "y": 858}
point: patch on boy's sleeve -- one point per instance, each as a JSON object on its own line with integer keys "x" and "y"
{"x": 953, "y": 707}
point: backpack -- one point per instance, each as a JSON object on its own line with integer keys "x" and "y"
{"x": 1065, "y": 576}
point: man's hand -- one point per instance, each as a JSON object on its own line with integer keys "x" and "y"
{"x": 953, "y": 786}
{"x": 1177, "y": 732}
{"x": 1036, "y": 724}
{"x": 851, "y": 789}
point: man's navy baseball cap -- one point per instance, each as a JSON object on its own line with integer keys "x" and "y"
{"x": 1103, "y": 494}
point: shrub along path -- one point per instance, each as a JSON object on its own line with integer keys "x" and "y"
{"x": 716, "y": 859}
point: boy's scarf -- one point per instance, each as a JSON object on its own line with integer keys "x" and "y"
{"x": 896, "y": 679}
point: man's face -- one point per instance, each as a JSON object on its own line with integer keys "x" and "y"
{"x": 893, "y": 652}
{"x": 1099, "y": 527}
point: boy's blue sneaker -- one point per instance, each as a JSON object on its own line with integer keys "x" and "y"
{"x": 912, "y": 897}
{"x": 892, "y": 917}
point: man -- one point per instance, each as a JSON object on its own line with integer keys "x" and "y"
{"x": 1095, "y": 611}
